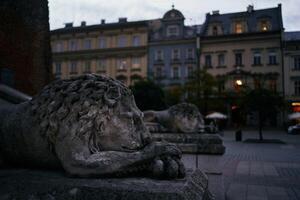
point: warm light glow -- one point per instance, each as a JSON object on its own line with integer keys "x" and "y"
{"x": 296, "y": 104}
{"x": 239, "y": 82}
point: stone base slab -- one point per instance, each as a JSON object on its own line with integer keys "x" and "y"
{"x": 49, "y": 185}
{"x": 194, "y": 142}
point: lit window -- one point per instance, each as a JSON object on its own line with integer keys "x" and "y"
{"x": 73, "y": 68}
{"x": 297, "y": 63}
{"x": 208, "y": 61}
{"x": 136, "y": 41}
{"x": 122, "y": 42}
{"x": 159, "y": 55}
{"x": 221, "y": 60}
{"x": 264, "y": 26}
{"x": 101, "y": 66}
{"x": 272, "y": 58}
{"x": 190, "y": 53}
{"x": 172, "y": 31}
{"x": 175, "y": 54}
{"x": 87, "y": 44}
{"x": 136, "y": 62}
{"x": 257, "y": 58}
{"x": 102, "y": 42}
{"x": 238, "y": 27}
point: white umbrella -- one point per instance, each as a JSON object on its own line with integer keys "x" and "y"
{"x": 294, "y": 115}
{"x": 216, "y": 115}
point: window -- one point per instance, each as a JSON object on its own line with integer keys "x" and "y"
{"x": 136, "y": 62}
{"x": 238, "y": 59}
{"x": 208, "y": 61}
{"x": 87, "y": 67}
{"x": 175, "y": 54}
{"x": 297, "y": 63}
{"x": 272, "y": 58}
{"x": 175, "y": 73}
{"x": 190, "y": 53}
{"x": 122, "y": 64}
{"x": 190, "y": 72}
{"x": 158, "y": 73}
{"x": 297, "y": 87}
{"x": 7, "y": 77}
{"x": 122, "y": 42}
{"x": 87, "y": 44}
{"x": 273, "y": 85}
{"x": 264, "y": 26}
{"x": 73, "y": 68}
{"x": 57, "y": 68}
{"x": 215, "y": 31}
{"x": 136, "y": 40}
{"x": 172, "y": 31}
{"x": 159, "y": 55}
{"x": 59, "y": 47}
{"x": 238, "y": 28}
{"x": 102, "y": 42}
{"x": 257, "y": 58}
{"x": 72, "y": 45}
{"x": 101, "y": 66}
{"x": 221, "y": 60}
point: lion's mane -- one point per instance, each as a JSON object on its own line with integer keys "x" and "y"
{"x": 184, "y": 109}
{"x": 85, "y": 101}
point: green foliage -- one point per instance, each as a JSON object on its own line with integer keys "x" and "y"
{"x": 148, "y": 95}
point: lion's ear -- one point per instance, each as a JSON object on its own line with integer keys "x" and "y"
{"x": 112, "y": 96}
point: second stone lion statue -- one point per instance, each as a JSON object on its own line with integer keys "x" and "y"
{"x": 90, "y": 126}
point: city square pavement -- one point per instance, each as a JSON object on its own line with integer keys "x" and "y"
{"x": 255, "y": 171}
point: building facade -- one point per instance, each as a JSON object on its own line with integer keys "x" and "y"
{"x": 172, "y": 49}
{"x": 292, "y": 69}
{"x": 118, "y": 50}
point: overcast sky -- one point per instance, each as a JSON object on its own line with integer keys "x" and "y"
{"x": 92, "y": 11}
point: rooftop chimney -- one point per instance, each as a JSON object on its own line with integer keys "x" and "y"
{"x": 83, "y": 23}
{"x": 69, "y": 25}
{"x": 250, "y": 8}
{"x": 122, "y": 20}
{"x": 102, "y": 21}
{"x": 215, "y": 12}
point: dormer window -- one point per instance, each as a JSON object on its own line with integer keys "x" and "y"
{"x": 238, "y": 28}
{"x": 215, "y": 31}
{"x": 264, "y": 26}
{"x": 172, "y": 31}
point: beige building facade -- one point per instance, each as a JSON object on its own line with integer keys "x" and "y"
{"x": 118, "y": 50}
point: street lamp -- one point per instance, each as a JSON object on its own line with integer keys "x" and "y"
{"x": 239, "y": 82}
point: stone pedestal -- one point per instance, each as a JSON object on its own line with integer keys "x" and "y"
{"x": 194, "y": 142}
{"x": 48, "y": 185}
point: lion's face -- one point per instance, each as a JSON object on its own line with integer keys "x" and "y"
{"x": 187, "y": 123}
{"x": 125, "y": 131}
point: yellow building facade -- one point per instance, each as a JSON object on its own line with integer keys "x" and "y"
{"x": 117, "y": 50}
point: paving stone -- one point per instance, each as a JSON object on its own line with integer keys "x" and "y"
{"x": 237, "y": 192}
{"x": 256, "y": 191}
{"x": 269, "y": 169}
{"x": 276, "y": 191}
{"x": 256, "y": 169}
{"x": 243, "y": 168}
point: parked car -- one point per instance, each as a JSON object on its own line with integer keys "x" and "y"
{"x": 294, "y": 129}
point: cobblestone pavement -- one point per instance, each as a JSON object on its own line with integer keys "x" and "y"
{"x": 256, "y": 171}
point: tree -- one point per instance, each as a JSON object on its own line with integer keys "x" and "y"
{"x": 148, "y": 95}
{"x": 265, "y": 102}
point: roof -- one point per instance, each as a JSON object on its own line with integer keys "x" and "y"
{"x": 173, "y": 14}
{"x": 106, "y": 26}
{"x": 252, "y": 18}
{"x": 292, "y": 36}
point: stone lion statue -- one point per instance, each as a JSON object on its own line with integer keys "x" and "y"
{"x": 90, "y": 126}
{"x": 180, "y": 118}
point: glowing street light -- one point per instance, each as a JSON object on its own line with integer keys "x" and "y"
{"x": 239, "y": 82}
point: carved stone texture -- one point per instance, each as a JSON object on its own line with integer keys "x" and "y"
{"x": 180, "y": 118}
{"x": 42, "y": 185}
{"x": 90, "y": 126}
{"x": 25, "y": 44}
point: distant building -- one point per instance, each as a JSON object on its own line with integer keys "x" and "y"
{"x": 172, "y": 49}
{"x": 244, "y": 49}
{"x": 118, "y": 50}
{"x": 292, "y": 69}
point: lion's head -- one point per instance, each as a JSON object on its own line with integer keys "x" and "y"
{"x": 187, "y": 117}
{"x": 99, "y": 110}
